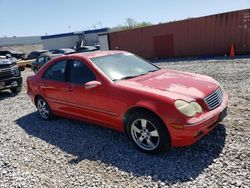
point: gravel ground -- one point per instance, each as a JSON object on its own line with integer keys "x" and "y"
{"x": 69, "y": 153}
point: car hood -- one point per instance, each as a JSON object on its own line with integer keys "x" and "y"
{"x": 6, "y": 62}
{"x": 173, "y": 84}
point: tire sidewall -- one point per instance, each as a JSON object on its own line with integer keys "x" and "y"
{"x": 50, "y": 116}
{"x": 164, "y": 143}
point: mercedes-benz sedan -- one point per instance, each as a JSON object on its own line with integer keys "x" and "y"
{"x": 157, "y": 108}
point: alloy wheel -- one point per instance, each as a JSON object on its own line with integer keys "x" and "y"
{"x": 43, "y": 109}
{"x": 145, "y": 134}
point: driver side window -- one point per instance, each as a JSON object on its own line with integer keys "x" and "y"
{"x": 79, "y": 73}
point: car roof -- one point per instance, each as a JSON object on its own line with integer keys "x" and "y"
{"x": 50, "y": 55}
{"x": 40, "y": 51}
{"x": 94, "y": 54}
{"x": 54, "y": 55}
{"x": 86, "y": 47}
{"x": 66, "y": 49}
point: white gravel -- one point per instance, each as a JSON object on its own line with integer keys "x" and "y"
{"x": 69, "y": 153}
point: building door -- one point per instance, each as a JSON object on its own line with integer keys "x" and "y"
{"x": 164, "y": 46}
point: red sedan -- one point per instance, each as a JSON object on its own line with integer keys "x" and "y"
{"x": 157, "y": 109}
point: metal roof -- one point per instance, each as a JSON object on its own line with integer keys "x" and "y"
{"x": 75, "y": 33}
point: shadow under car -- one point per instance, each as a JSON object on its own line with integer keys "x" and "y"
{"x": 91, "y": 142}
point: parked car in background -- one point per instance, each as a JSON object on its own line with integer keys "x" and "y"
{"x": 87, "y": 49}
{"x": 36, "y": 54}
{"x": 9, "y": 54}
{"x": 10, "y": 76}
{"x": 30, "y": 58}
{"x": 156, "y": 108}
{"x": 41, "y": 60}
{"x": 24, "y": 63}
{"x": 62, "y": 51}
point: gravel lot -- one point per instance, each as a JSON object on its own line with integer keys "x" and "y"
{"x": 69, "y": 153}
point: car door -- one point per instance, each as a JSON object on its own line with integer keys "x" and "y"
{"x": 53, "y": 86}
{"x": 89, "y": 103}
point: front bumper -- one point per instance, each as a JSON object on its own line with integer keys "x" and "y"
{"x": 197, "y": 127}
{"x": 11, "y": 83}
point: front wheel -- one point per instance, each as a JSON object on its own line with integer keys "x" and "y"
{"x": 35, "y": 70}
{"x": 44, "y": 109}
{"x": 148, "y": 133}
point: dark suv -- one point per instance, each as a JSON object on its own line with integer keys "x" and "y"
{"x": 10, "y": 76}
{"x": 18, "y": 55}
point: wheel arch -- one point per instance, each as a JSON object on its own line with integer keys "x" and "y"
{"x": 142, "y": 109}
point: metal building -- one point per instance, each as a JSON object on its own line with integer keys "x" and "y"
{"x": 64, "y": 40}
{"x": 72, "y": 39}
{"x": 23, "y": 44}
{"x": 209, "y": 35}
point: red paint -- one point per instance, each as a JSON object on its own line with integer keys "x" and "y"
{"x": 108, "y": 103}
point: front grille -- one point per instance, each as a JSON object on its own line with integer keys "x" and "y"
{"x": 214, "y": 99}
{"x": 6, "y": 73}
{"x": 2, "y": 66}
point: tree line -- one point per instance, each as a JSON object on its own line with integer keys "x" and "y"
{"x": 130, "y": 23}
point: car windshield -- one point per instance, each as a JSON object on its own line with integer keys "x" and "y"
{"x": 123, "y": 66}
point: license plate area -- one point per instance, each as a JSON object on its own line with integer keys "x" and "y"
{"x": 223, "y": 114}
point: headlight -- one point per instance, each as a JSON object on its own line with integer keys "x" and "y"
{"x": 188, "y": 109}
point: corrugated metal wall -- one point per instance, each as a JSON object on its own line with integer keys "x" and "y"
{"x": 60, "y": 42}
{"x": 209, "y": 35}
{"x": 13, "y": 41}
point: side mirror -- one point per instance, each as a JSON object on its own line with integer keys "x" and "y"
{"x": 92, "y": 84}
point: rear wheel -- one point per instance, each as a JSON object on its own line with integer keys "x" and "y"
{"x": 148, "y": 132}
{"x": 44, "y": 109}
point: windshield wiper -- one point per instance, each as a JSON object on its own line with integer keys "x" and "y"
{"x": 128, "y": 77}
{"x": 146, "y": 72}
{"x": 152, "y": 70}
{"x": 125, "y": 78}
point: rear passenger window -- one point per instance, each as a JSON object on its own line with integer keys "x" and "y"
{"x": 56, "y": 72}
{"x": 80, "y": 73}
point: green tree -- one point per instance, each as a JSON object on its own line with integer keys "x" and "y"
{"x": 130, "y": 23}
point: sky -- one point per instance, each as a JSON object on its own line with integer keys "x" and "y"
{"x": 41, "y": 17}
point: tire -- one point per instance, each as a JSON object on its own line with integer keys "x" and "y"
{"x": 44, "y": 109}
{"x": 17, "y": 89}
{"x": 35, "y": 70}
{"x": 148, "y": 133}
